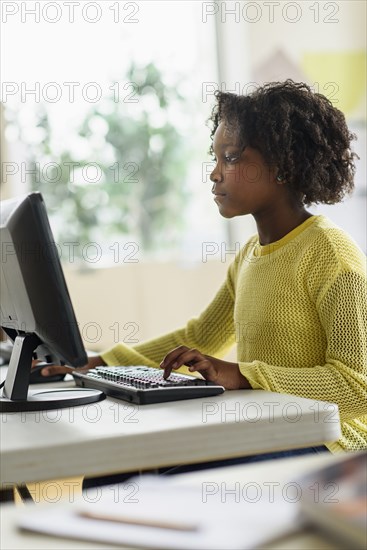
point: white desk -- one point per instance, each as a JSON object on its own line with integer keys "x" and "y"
{"x": 114, "y": 436}
{"x": 281, "y": 471}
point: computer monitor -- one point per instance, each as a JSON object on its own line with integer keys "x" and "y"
{"x": 36, "y": 310}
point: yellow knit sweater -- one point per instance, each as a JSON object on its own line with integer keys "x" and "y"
{"x": 297, "y": 310}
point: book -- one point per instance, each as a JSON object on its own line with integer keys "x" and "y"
{"x": 334, "y": 498}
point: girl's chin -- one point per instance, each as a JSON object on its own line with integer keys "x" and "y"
{"x": 229, "y": 213}
{"x": 226, "y": 213}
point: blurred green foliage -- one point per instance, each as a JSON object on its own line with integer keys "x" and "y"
{"x": 130, "y": 180}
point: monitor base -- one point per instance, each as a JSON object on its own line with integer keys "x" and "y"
{"x": 48, "y": 399}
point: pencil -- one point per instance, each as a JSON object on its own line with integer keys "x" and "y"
{"x": 174, "y": 525}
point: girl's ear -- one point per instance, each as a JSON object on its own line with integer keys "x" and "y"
{"x": 275, "y": 175}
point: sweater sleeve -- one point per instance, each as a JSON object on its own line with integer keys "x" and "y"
{"x": 212, "y": 333}
{"x": 342, "y": 379}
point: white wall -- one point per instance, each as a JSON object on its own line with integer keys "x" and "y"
{"x": 141, "y": 300}
{"x": 264, "y": 41}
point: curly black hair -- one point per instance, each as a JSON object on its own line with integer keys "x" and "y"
{"x": 298, "y": 131}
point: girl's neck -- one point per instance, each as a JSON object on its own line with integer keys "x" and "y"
{"x": 273, "y": 226}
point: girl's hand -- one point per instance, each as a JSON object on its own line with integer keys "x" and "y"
{"x": 220, "y": 372}
{"x": 64, "y": 369}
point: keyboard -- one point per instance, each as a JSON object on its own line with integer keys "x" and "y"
{"x": 145, "y": 385}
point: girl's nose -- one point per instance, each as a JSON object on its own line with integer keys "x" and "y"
{"x": 215, "y": 176}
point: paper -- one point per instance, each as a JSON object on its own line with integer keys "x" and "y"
{"x": 225, "y": 516}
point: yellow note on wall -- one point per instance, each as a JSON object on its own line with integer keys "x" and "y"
{"x": 341, "y": 77}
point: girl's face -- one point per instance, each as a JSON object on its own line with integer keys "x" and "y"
{"x": 242, "y": 182}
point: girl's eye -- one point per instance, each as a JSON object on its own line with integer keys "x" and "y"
{"x": 231, "y": 158}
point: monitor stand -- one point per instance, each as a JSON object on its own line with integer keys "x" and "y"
{"x": 17, "y": 398}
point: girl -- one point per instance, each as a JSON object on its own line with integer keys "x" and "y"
{"x": 295, "y": 298}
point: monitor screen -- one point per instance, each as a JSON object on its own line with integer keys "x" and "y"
{"x": 36, "y": 310}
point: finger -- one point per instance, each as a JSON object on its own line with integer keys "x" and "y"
{"x": 206, "y": 369}
{"x": 171, "y": 359}
{"x": 188, "y": 357}
{"x": 172, "y": 355}
{"x": 56, "y": 369}
{"x": 184, "y": 358}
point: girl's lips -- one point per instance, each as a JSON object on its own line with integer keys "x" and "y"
{"x": 219, "y": 196}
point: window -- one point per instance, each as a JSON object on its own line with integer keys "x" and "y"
{"x": 105, "y": 110}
